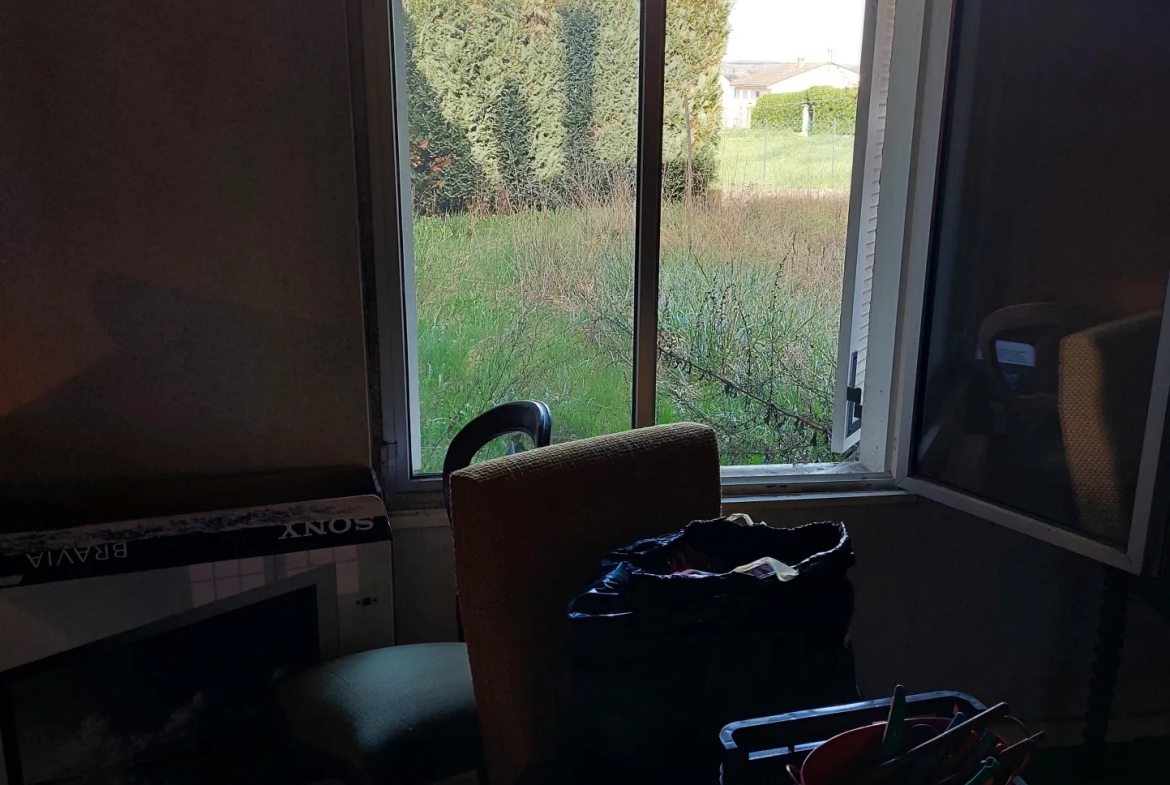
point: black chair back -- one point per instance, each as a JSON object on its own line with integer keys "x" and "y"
{"x": 527, "y": 417}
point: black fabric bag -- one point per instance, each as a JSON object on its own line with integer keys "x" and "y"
{"x": 670, "y": 643}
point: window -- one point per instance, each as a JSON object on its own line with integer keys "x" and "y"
{"x": 752, "y": 251}
{"x": 857, "y": 301}
{"x": 576, "y": 225}
{"x": 1037, "y": 367}
{"x": 1039, "y": 338}
{"x": 521, "y": 123}
{"x": 896, "y": 284}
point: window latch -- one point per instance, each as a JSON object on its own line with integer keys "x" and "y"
{"x": 853, "y": 396}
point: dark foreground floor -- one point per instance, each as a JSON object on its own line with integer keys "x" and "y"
{"x": 1142, "y": 761}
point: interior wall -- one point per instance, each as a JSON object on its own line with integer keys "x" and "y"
{"x": 945, "y": 601}
{"x": 178, "y": 241}
{"x": 180, "y": 295}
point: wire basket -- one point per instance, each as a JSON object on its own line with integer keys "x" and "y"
{"x": 759, "y": 751}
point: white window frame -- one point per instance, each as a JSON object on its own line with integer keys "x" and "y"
{"x": 908, "y": 229}
{"x": 383, "y": 45}
{"x": 909, "y": 172}
{"x": 861, "y": 252}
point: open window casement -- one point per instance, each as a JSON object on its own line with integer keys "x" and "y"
{"x": 1033, "y": 360}
{"x": 863, "y": 215}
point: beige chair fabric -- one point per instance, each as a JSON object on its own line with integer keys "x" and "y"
{"x": 529, "y": 529}
{"x": 1103, "y": 396}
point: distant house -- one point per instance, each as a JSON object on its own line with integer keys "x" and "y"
{"x": 744, "y": 83}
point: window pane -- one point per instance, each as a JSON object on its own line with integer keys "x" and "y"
{"x": 1049, "y": 267}
{"x": 508, "y": 444}
{"x": 523, "y": 120}
{"x": 761, "y": 99}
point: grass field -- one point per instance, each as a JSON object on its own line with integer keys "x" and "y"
{"x": 755, "y": 158}
{"x": 538, "y": 304}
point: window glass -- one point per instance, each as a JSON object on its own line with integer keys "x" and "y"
{"x": 1049, "y": 260}
{"x": 754, "y": 224}
{"x": 509, "y": 444}
{"x": 523, "y": 122}
{"x": 523, "y": 128}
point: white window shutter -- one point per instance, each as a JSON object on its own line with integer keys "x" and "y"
{"x": 867, "y": 169}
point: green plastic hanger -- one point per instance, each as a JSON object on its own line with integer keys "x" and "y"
{"x": 895, "y": 733}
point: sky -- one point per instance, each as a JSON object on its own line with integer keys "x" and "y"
{"x": 783, "y": 30}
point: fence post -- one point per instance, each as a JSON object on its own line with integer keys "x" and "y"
{"x": 833, "y": 158}
{"x": 689, "y": 182}
{"x": 764, "y": 160}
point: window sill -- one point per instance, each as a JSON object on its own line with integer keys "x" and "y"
{"x": 769, "y": 480}
{"x": 752, "y": 488}
{"x": 745, "y": 489}
{"x": 785, "y": 479}
{"x": 733, "y": 504}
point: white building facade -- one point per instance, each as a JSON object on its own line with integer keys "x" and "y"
{"x": 742, "y": 90}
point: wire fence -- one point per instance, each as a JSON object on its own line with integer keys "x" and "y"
{"x": 771, "y": 157}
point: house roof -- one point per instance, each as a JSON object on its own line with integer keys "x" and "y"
{"x": 766, "y": 77}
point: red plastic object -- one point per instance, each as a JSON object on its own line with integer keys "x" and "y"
{"x": 841, "y": 759}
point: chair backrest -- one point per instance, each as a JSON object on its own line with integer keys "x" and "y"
{"x": 1106, "y": 373}
{"x": 528, "y": 417}
{"x": 529, "y": 530}
{"x": 1048, "y": 323}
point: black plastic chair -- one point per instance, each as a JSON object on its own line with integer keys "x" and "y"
{"x": 525, "y": 417}
{"x": 521, "y": 417}
{"x": 405, "y": 715}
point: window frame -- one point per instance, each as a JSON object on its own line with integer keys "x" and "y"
{"x": 871, "y": 129}
{"x": 383, "y": 42}
{"x": 919, "y": 73}
{"x": 390, "y": 216}
{"x": 648, "y": 209}
{"x": 912, "y": 225}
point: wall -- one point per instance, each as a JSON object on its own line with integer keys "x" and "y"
{"x": 178, "y": 241}
{"x": 180, "y": 295}
{"x": 734, "y": 109}
{"x": 831, "y": 75}
{"x": 944, "y": 601}
{"x": 179, "y": 278}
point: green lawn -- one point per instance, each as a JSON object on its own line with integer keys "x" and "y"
{"x": 755, "y": 158}
{"x": 539, "y": 305}
{"x": 487, "y": 334}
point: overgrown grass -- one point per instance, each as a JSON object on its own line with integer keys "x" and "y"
{"x": 495, "y": 324}
{"x": 539, "y": 304}
{"x": 750, "y": 305}
{"x": 756, "y": 158}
